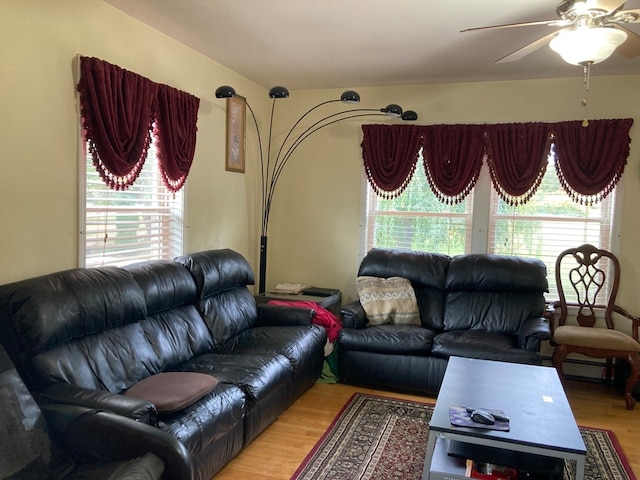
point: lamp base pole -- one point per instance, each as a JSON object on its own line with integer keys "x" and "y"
{"x": 263, "y": 265}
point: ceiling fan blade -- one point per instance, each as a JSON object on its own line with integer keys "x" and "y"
{"x": 551, "y": 23}
{"x": 608, "y": 5}
{"x": 629, "y": 16}
{"x": 527, "y": 49}
{"x": 631, "y": 47}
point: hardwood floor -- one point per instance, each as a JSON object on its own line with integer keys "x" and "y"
{"x": 279, "y": 450}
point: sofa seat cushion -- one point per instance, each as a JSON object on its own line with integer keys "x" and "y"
{"x": 173, "y": 391}
{"x": 388, "y": 300}
{"x": 218, "y": 415}
{"x": 482, "y": 345}
{"x": 256, "y": 374}
{"x": 389, "y": 339}
{"x": 299, "y": 344}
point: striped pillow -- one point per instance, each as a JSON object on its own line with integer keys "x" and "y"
{"x": 388, "y": 300}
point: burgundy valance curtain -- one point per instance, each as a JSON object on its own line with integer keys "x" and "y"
{"x": 589, "y": 160}
{"x": 119, "y": 109}
{"x": 390, "y": 156}
{"x": 517, "y": 159}
{"x": 452, "y": 159}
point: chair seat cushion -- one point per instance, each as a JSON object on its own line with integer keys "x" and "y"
{"x": 603, "y": 338}
{"x": 173, "y": 391}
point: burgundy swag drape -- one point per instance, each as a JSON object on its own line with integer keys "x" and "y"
{"x": 589, "y": 160}
{"x": 176, "y": 133}
{"x": 452, "y": 159}
{"x": 390, "y": 156}
{"x": 517, "y": 159}
{"x": 118, "y": 110}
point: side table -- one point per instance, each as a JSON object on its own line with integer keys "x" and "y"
{"x": 332, "y": 300}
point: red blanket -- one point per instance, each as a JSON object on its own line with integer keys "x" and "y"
{"x": 323, "y": 317}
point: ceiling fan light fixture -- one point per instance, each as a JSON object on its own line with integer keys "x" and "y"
{"x": 587, "y": 45}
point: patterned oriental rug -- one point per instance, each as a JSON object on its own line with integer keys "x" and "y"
{"x": 385, "y": 438}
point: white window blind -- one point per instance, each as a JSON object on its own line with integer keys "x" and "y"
{"x": 122, "y": 227}
{"x": 549, "y": 224}
{"x": 417, "y": 220}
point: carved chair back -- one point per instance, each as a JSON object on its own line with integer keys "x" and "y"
{"x": 591, "y": 276}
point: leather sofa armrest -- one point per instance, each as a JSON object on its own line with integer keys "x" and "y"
{"x": 130, "y": 407}
{"x": 532, "y": 332}
{"x": 282, "y": 316}
{"x": 91, "y": 435}
{"x": 353, "y": 315}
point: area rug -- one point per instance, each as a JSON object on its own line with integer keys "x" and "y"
{"x": 384, "y": 438}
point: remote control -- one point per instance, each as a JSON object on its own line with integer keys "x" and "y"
{"x": 498, "y": 416}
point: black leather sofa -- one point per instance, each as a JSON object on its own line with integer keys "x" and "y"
{"x": 478, "y": 306}
{"x": 84, "y": 337}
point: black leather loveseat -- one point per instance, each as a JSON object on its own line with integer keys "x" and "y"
{"x": 479, "y": 306}
{"x": 90, "y": 337}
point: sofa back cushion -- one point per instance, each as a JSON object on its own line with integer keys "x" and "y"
{"x": 426, "y": 272}
{"x": 173, "y": 328}
{"x": 495, "y": 293}
{"x": 57, "y": 322}
{"x": 50, "y": 310}
{"x": 92, "y": 327}
{"x": 224, "y": 301}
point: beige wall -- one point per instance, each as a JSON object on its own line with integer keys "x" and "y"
{"x": 315, "y": 231}
{"x": 323, "y": 181}
{"x": 38, "y": 129}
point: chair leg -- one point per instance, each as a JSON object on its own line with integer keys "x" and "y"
{"x": 634, "y": 376}
{"x": 559, "y": 355}
{"x": 608, "y": 370}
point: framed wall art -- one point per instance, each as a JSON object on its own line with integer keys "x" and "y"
{"x": 236, "y": 125}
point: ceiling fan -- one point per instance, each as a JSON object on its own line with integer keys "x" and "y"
{"x": 592, "y": 30}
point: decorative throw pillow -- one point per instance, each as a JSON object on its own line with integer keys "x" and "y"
{"x": 173, "y": 391}
{"x": 388, "y": 300}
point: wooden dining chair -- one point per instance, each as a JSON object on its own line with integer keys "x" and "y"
{"x": 592, "y": 277}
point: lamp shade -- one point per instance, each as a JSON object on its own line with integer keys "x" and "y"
{"x": 586, "y": 45}
{"x": 350, "y": 97}
{"x": 225, "y": 91}
{"x": 279, "y": 92}
{"x": 409, "y": 116}
{"x": 392, "y": 110}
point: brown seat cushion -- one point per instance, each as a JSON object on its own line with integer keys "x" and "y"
{"x": 595, "y": 338}
{"x": 173, "y": 391}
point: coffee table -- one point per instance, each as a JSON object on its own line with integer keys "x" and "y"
{"x": 542, "y": 422}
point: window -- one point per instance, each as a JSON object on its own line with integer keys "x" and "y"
{"x": 542, "y": 228}
{"x": 417, "y": 220}
{"x": 122, "y": 227}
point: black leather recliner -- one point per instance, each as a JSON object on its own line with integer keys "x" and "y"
{"x": 479, "y": 306}
{"x": 60, "y": 443}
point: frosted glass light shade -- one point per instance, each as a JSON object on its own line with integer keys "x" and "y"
{"x": 587, "y": 45}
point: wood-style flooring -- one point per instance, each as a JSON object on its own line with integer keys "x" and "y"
{"x": 279, "y": 450}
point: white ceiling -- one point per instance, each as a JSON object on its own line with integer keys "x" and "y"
{"x": 305, "y": 44}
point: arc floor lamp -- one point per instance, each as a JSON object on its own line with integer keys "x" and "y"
{"x": 272, "y": 164}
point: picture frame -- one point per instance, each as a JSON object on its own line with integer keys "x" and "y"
{"x": 236, "y": 127}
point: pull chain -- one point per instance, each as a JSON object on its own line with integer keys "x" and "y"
{"x": 585, "y": 104}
